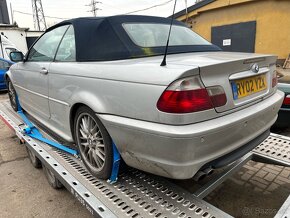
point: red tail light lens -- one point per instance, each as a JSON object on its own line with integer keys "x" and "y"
{"x": 184, "y": 101}
{"x": 189, "y": 95}
{"x": 286, "y": 100}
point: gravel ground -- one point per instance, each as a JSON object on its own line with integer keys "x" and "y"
{"x": 257, "y": 190}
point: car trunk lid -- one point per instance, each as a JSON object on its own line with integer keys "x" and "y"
{"x": 245, "y": 78}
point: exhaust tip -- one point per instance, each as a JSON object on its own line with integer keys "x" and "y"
{"x": 200, "y": 175}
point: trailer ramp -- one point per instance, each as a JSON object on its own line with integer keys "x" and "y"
{"x": 135, "y": 194}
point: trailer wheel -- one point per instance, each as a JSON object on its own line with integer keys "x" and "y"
{"x": 52, "y": 180}
{"x": 33, "y": 159}
{"x": 12, "y": 95}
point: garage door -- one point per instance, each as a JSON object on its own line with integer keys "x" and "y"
{"x": 238, "y": 37}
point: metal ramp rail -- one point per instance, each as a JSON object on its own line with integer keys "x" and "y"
{"x": 138, "y": 194}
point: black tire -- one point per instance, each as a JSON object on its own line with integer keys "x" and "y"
{"x": 12, "y": 95}
{"x": 100, "y": 145}
{"x": 33, "y": 159}
{"x": 52, "y": 180}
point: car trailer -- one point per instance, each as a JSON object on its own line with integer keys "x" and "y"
{"x": 138, "y": 194}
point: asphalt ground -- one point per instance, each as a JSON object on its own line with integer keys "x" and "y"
{"x": 257, "y": 190}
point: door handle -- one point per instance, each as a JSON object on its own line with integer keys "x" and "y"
{"x": 44, "y": 71}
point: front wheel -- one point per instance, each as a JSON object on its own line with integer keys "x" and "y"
{"x": 12, "y": 95}
{"x": 94, "y": 143}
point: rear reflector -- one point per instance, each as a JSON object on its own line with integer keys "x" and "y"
{"x": 286, "y": 100}
{"x": 189, "y": 95}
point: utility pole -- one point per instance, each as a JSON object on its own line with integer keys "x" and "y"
{"x": 94, "y": 7}
{"x": 38, "y": 15}
{"x": 11, "y": 12}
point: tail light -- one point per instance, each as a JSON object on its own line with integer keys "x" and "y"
{"x": 274, "y": 79}
{"x": 286, "y": 100}
{"x": 189, "y": 95}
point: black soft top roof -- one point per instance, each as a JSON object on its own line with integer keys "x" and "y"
{"x": 104, "y": 38}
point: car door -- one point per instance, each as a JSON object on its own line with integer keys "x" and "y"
{"x": 60, "y": 89}
{"x": 31, "y": 78}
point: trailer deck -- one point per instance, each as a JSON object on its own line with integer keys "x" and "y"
{"x": 138, "y": 194}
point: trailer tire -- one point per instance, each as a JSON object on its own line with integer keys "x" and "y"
{"x": 52, "y": 180}
{"x": 33, "y": 159}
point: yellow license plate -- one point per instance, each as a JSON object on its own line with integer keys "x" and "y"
{"x": 248, "y": 86}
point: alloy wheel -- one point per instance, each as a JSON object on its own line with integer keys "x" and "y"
{"x": 90, "y": 140}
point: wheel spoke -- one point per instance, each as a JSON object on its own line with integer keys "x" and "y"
{"x": 90, "y": 155}
{"x": 91, "y": 142}
{"x": 85, "y": 144}
{"x": 84, "y": 135}
{"x": 85, "y": 125}
{"x": 98, "y": 163}
{"x": 99, "y": 145}
{"x": 96, "y": 134}
{"x": 100, "y": 155}
{"x": 94, "y": 129}
{"x": 86, "y": 149}
{"x": 89, "y": 123}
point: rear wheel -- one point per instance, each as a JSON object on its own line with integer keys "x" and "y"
{"x": 94, "y": 143}
{"x": 12, "y": 95}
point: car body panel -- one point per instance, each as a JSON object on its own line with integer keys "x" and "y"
{"x": 32, "y": 86}
{"x": 179, "y": 151}
{"x": 121, "y": 88}
{"x": 124, "y": 95}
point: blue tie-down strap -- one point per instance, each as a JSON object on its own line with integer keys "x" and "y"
{"x": 33, "y": 132}
{"x": 116, "y": 165}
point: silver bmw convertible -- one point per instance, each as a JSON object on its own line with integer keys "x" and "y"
{"x": 98, "y": 81}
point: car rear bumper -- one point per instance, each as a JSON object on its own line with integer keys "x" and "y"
{"x": 180, "y": 151}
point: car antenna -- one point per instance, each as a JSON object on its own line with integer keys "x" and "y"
{"x": 163, "y": 63}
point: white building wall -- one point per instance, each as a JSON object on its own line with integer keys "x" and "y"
{"x": 18, "y": 37}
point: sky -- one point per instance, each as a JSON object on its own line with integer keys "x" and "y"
{"x": 65, "y": 9}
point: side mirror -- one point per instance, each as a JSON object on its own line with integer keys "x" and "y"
{"x": 16, "y": 56}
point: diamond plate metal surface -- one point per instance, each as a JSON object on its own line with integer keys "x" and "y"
{"x": 135, "y": 194}
{"x": 275, "y": 147}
